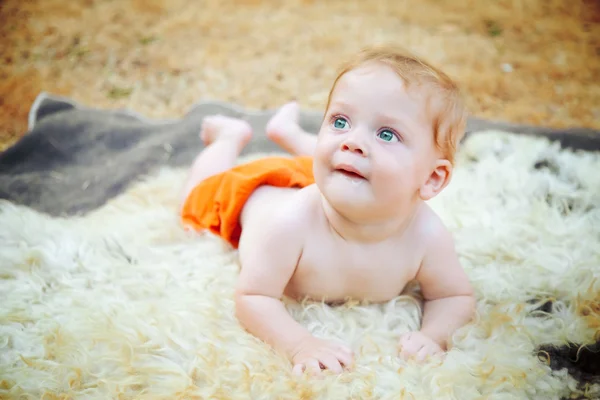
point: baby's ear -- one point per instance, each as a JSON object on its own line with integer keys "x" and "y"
{"x": 437, "y": 181}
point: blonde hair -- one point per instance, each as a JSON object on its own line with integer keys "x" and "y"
{"x": 448, "y": 116}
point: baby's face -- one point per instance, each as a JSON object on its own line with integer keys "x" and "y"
{"x": 375, "y": 147}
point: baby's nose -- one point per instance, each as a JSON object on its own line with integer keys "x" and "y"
{"x": 354, "y": 147}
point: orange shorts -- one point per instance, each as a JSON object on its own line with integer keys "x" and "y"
{"x": 216, "y": 203}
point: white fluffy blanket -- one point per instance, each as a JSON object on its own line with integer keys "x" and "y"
{"x": 123, "y": 303}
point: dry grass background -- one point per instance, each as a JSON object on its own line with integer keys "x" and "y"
{"x": 535, "y": 61}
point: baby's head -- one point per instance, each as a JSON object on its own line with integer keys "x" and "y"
{"x": 440, "y": 96}
{"x": 395, "y": 121}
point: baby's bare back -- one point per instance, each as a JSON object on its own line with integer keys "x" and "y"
{"x": 330, "y": 267}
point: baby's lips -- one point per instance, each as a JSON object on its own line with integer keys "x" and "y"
{"x": 350, "y": 170}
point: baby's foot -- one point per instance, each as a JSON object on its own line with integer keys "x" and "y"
{"x": 284, "y": 124}
{"x": 217, "y": 127}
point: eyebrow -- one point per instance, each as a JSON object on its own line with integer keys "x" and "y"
{"x": 388, "y": 120}
{"x": 405, "y": 125}
{"x": 341, "y": 104}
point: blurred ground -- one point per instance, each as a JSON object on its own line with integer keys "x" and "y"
{"x": 535, "y": 61}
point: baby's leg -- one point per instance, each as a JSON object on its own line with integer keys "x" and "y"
{"x": 283, "y": 129}
{"x": 224, "y": 137}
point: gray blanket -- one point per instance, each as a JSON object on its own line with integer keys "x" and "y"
{"x": 75, "y": 158}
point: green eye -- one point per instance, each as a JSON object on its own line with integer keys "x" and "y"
{"x": 340, "y": 123}
{"x": 387, "y": 136}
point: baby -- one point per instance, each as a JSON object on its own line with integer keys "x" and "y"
{"x": 345, "y": 215}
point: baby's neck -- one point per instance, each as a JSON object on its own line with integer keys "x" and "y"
{"x": 367, "y": 231}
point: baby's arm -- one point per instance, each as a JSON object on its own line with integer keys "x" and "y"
{"x": 449, "y": 301}
{"x": 269, "y": 259}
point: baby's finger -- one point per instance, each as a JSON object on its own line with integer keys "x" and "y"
{"x": 298, "y": 369}
{"x": 406, "y": 354}
{"x": 404, "y": 337}
{"x": 331, "y": 363}
{"x": 410, "y": 350}
{"x": 405, "y": 344}
{"x": 439, "y": 356}
{"x": 347, "y": 360}
{"x": 423, "y": 353}
{"x": 313, "y": 366}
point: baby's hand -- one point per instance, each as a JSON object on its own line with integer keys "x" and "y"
{"x": 419, "y": 346}
{"x": 315, "y": 354}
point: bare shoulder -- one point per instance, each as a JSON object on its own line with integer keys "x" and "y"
{"x": 272, "y": 241}
{"x": 440, "y": 272}
{"x": 275, "y": 227}
{"x": 277, "y": 210}
{"x": 430, "y": 227}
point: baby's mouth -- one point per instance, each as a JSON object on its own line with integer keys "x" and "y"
{"x": 350, "y": 172}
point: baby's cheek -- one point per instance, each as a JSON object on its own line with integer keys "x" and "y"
{"x": 322, "y": 152}
{"x": 396, "y": 178}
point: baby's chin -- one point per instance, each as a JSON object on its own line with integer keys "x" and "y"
{"x": 346, "y": 195}
{"x": 360, "y": 199}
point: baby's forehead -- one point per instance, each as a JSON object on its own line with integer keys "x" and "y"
{"x": 391, "y": 80}
{"x": 383, "y": 82}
